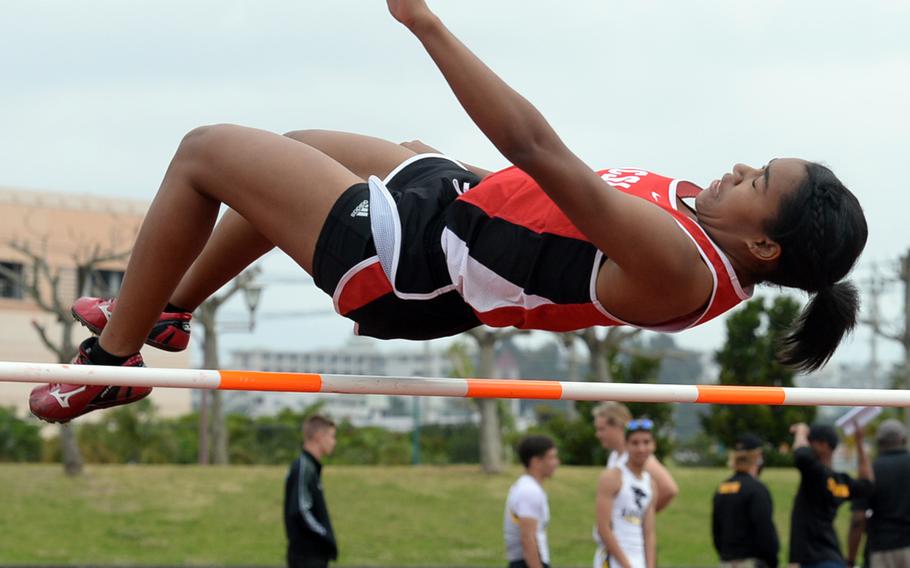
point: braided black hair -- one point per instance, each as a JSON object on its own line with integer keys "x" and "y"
{"x": 821, "y": 230}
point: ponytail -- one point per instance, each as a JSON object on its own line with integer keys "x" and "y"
{"x": 829, "y": 316}
{"x": 821, "y": 230}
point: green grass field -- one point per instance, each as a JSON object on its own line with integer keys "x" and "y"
{"x": 398, "y": 516}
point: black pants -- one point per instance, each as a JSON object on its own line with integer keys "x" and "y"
{"x": 522, "y": 564}
{"x": 295, "y": 561}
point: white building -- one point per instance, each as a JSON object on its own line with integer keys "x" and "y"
{"x": 65, "y": 231}
{"x": 360, "y": 356}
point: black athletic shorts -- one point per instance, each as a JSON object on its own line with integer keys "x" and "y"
{"x": 379, "y": 254}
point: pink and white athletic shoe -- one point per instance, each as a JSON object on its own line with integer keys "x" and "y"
{"x": 57, "y": 402}
{"x": 171, "y": 332}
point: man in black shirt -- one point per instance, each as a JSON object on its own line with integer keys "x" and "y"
{"x": 813, "y": 542}
{"x": 311, "y": 542}
{"x": 888, "y": 506}
{"x": 742, "y": 525}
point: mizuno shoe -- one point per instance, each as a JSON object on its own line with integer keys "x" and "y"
{"x": 171, "y": 332}
{"x": 61, "y": 403}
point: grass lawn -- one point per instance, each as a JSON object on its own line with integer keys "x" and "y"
{"x": 446, "y": 516}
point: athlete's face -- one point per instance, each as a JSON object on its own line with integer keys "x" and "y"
{"x": 821, "y": 449}
{"x": 548, "y": 463}
{"x": 741, "y": 203}
{"x": 326, "y": 440}
{"x": 640, "y": 447}
{"x": 611, "y": 436}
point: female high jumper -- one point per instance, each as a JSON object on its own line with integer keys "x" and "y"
{"x": 436, "y": 247}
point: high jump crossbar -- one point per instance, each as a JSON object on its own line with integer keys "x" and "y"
{"x": 450, "y": 387}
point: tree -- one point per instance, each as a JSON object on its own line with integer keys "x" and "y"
{"x": 211, "y": 407}
{"x": 748, "y": 359}
{"x": 602, "y": 349}
{"x": 643, "y": 369}
{"x": 897, "y": 331}
{"x": 41, "y": 283}
{"x": 574, "y": 431}
{"x": 491, "y": 447}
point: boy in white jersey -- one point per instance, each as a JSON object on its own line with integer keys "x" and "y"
{"x": 626, "y": 498}
{"x": 527, "y": 512}
{"x": 610, "y": 419}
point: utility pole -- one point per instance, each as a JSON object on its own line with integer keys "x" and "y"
{"x": 213, "y": 435}
{"x": 905, "y": 335}
{"x": 875, "y": 286}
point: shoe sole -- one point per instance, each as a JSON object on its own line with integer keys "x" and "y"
{"x": 97, "y": 331}
{"x": 50, "y": 420}
{"x": 87, "y": 410}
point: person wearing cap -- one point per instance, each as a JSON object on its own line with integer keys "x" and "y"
{"x": 813, "y": 541}
{"x": 626, "y": 505}
{"x": 742, "y": 524}
{"x": 887, "y": 507}
{"x": 610, "y": 419}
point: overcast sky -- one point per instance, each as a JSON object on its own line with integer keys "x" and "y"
{"x": 97, "y": 94}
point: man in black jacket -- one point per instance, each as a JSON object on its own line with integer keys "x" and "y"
{"x": 743, "y": 527}
{"x": 888, "y": 507}
{"x": 822, "y": 490}
{"x": 311, "y": 542}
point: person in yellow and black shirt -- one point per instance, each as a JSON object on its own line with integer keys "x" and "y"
{"x": 813, "y": 542}
{"x": 742, "y": 525}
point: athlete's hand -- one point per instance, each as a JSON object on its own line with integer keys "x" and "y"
{"x": 858, "y": 433}
{"x": 409, "y": 12}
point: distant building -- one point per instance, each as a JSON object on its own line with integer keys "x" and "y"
{"x": 359, "y": 356}
{"x": 65, "y": 230}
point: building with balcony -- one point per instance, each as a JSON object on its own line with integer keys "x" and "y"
{"x": 66, "y": 245}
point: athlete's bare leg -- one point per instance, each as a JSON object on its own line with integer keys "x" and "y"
{"x": 235, "y": 244}
{"x": 364, "y": 155}
{"x": 283, "y": 188}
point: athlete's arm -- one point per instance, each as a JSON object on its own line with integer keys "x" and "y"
{"x": 661, "y": 258}
{"x": 306, "y": 481}
{"x": 863, "y": 465}
{"x": 800, "y": 433}
{"x": 527, "y": 528}
{"x": 648, "y": 527}
{"x": 855, "y": 536}
{"x": 665, "y": 482}
{"x": 422, "y": 148}
{"x": 607, "y": 488}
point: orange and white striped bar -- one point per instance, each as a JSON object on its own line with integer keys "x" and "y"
{"x": 428, "y": 386}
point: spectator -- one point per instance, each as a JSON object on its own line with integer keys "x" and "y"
{"x": 610, "y": 419}
{"x": 626, "y": 497}
{"x": 888, "y": 506}
{"x": 311, "y": 541}
{"x": 742, "y": 518}
{"x": 813, "y": 542}
{"x": 527, "y": 512}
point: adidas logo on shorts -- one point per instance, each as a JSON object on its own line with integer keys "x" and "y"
{"x": 362, "y": 210}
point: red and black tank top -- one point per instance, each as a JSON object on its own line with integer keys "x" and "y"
{"x": 517, "y": 260}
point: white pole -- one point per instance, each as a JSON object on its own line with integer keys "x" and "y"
{"x": 450, "y": 387}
